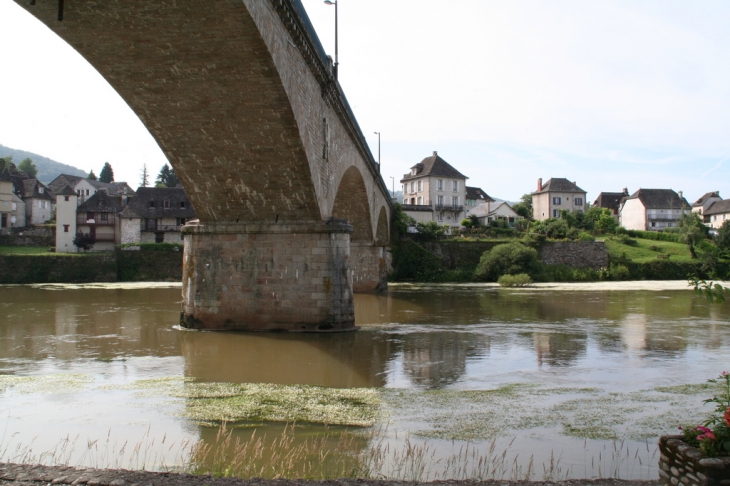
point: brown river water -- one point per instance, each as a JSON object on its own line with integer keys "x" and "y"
{"x": 572, "y": 381}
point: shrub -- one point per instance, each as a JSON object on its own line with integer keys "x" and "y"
{"x": 585, "y": 236}
{"x": 519, "y": 280}
{"x": 618, "y": 272}
{"x": 563, "y": 273}
{"x": 508, "y": 259}
{"x": 411, "y": 261}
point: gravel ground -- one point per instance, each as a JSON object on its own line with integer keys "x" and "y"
{"x": 27, "y": 475}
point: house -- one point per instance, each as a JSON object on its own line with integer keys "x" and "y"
{"x": 495, "y": 211}
{"x": 156, "y": 215}
{"x": 716, "y": 215}
{"x": 434, "y": 191}
{"x": 557, "y": 194}
{"x": 66, "y": 206}
{"x": 701, "y": 205}
{"x": 86, "y": 188}
{"x": 652, "y": 209}
{"x": 611, "y": 201}
{"x": 12, "y": 207}
{"x": 37, "y": 198}
{"x": 99, "y": 216}
{"x": 476, "y": 196}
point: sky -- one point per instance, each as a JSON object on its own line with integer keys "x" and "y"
{"x": 607, "y": 94}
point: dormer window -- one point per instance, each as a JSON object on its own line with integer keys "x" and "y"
{"x": 152, "y": 204}
{"x": 166, "y": 204}
{"x": 40, "y": 190}
{"x": 413, "y": 171}
{"x": 182, "y": 204}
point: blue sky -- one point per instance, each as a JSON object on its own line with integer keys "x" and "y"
{"x": 608, "y": 94}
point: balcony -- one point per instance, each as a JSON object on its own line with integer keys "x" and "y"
{"x": 417, "y": 207}
{"x": 85, "y": 220}
{"x": 444, "y": 207}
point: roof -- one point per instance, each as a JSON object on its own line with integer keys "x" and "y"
{"x": 63, "y": 180}
{"x": 112, "y": 188}
{"x": 66, "y": 191}
{"x": 140, "y": 206}
{"x": 718, "y": 207}
{"x": 5, "y": 175}
{"x": 434, "y": 166}
{"x": 701, "y": 201}
{"x": 659, "y": 199}
{"x": 101, "y": 202}
{"x": 559, "y": 184}
{"x": 610, "y": 200}
{"x": 31, "y": 188}
{"x": 477, "y": 194}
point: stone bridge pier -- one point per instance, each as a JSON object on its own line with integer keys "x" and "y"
{"x": 242, "y": 98}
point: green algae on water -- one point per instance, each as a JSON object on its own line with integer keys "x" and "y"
{"x": 58, "y": 383}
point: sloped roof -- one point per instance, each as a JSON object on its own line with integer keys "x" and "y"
{"x": 434, "y": 166}
{"x": 701, "y": 201}
{"x": 101, "y": 202}
{"x": 659, "y": 199}
{"x": 718, "y": 207}
{"x": 30, "y": 188}
{"x": 112, "y": 188}
{"x": 559, "y": 184}
{"x": 140, "y": 206}
{"x": 66, "y": 191}
{"x": 5, "y": 175}
{"x": 63, "y": 180}
{"x": 477, "y": 194}
{"x": 609, "y": 200}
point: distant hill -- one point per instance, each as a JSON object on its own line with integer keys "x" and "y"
{"x": 47, "y": 169}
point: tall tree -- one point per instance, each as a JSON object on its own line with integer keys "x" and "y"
{"x": 692, "y": 231}
{"x": 91, "y": 176}
{"x": 167, "y": 177}
{"x": 107, "y": 173}
{"x": 28, "y": 167}
{"x": 145, "y": 176}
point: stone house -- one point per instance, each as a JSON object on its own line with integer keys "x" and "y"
{"x": 434, "y": 191}
{"x": 99, "y": 216}
{"x": 556, "y": 195}
{"x": 38, "y": 199}
{"x": 496, "y": 211}
{"x": 716, "y": 215}
{"x": 701, "y": 205}
{"x": 156, "y": 215}
{"x": 611, "y": 201}
{"x": 66, "y": 206}
{"x": 652, "y": 209}
{"x": 8, "y": 199}
{"x": 86, "y": 188}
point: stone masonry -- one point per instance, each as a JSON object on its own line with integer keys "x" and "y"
{"x": 575, "y": 254}
{"x": 682, "y": 464}
{"x": 243, "y": 101}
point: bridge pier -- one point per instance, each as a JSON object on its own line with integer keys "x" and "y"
{"x": 370, "y": 263}
{"x": 292, "y": 276}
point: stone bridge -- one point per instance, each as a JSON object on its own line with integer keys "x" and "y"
{"x": 241, "y": 97}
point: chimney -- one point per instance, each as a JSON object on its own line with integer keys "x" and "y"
{"x": 435, "y": 153}
{"x": 626, "y": 191}
{"x": 539, "y": 184}
{"x": 680, "y": 194}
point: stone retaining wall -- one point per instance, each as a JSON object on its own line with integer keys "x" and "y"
{"x": 575, "y": 254}
{"x": 682, "y": 464}
{"x": 34, "y": 236}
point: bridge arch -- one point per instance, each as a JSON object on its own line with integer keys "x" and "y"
{"x": 352, "y": 203}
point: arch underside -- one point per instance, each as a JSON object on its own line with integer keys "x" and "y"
{"x": 351, "y": 203}
{"x": 204, "y": 84}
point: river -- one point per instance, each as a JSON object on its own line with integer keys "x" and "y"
{"x": 440, "y": 381}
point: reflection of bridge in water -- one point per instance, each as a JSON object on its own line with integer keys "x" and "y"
{"x": 244, "y": 102}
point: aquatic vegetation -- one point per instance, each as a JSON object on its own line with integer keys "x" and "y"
{"x": 58, "y": 383}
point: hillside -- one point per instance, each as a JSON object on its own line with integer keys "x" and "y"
{"x": 47, "y": 169}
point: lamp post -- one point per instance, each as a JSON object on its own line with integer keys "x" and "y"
{"x": 378, "y": 134}
{"x": 392, "y": 182}
{"x": 334, "y": 2}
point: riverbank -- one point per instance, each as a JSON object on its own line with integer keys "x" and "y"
{"x": 653, "y": 285}
{"x": 34, "y": 475}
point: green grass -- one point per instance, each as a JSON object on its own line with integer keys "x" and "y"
{"x": 25, "y": 250}
{"x": 642, "y": 252}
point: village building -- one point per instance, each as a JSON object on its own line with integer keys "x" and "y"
{"x": 476, "y": 196}
{"x": 434, "y": 191}
{"x": 717, "y": 214}
{"x": 611, "y": 201}
{"x": 86, "y": 188}
{"x": 556, "y": 195}
{"x": 653, "y": 209}
{"x": 492, "y": 211}
{"x": 701, "y": 205}
{"x": 156, "y": 215}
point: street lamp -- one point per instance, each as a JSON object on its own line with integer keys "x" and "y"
{"x": 334, "y": 2}
{"x": 378, "y": 134}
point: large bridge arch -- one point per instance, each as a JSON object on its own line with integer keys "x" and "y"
{"x": 241, "y": 98}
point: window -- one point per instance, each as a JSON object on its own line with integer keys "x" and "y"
{"x": 66, "y": 198}
{"x": 412, "y": 187}
{"x": 87, "y": 192}
{"x": 556, "y": 213}
{"x": 653, "y": 224}
{"x": 455, "y": 201}
{"x": 440, "y": 184}
{"x": 152, "y": 204}
{"x": 159, "y": 237}
{"x": 166, "y": 204}
{"x": 15, "y": 206}
{"x": 3, "y": 220}
{"x": 420, "y": 200}
{"x": 420, "y": 186}
{"x": 440, "y": 216}
{"x": 182, "y": 204}
{"x": 104, "y": 217}
{"x": 454, "y": 185}
{"x": 440, "y": 200}
{"x": 65, "y": 228}
{"x": 89, "y": 216}
{"x": 578, "y": 201}
{"x": 557, "y": 201}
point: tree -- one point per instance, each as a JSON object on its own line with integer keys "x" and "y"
{"x": 606, "y": 223}
{"x": 508, "y": 259}
{"x": 471, "y": 221}
{"x": 84, "y": 241}
{"x": 28, "y": 167}
{"x": 91, "y": 176}
{"x": 692, "y": 231}
{"x": 524, "y": 207}
{"x": 722, "y": 239}
{"x": 145, "y": 177}
{"x": 166, "y": 177}
{"x": 107, "y": 173}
